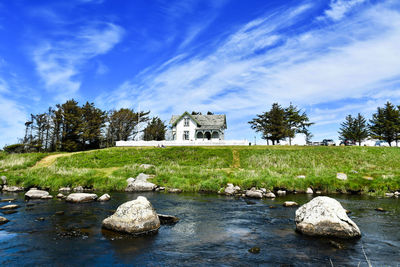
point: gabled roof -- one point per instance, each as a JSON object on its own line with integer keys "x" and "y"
{"x": 202, "y": 121}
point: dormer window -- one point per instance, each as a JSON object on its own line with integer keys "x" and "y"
{"x": 186, "y": 122}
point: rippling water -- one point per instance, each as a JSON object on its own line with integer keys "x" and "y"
{"x": 213, "y": 230}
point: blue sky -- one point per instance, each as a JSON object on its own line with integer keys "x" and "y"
{"x": 330, "y": 58}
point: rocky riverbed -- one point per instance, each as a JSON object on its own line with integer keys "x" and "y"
{"x": 212, "y": 230}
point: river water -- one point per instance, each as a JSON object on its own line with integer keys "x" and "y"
{"x": 213, "y": 231}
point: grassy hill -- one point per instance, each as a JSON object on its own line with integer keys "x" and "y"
{"x": 211, "y": 168}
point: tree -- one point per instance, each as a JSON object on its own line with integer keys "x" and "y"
{"x": 354, "y": 129}
{"x": 93, "y": 120}
{"x": 196, "y": 113}
{"x": 385, "y": 124}
{"x": 155, "y": 130}
{"x": 296, "y": 122}
{"x": 71, "y": 126}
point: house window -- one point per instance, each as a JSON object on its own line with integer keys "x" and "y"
{"x": 186, "y": 135}
{"x": 186, "y": 122}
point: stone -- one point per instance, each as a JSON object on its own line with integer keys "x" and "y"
{"x": 290, "y": 204}
{"x": 60, "y": 212}
{"x": 130, "y": 180}
{"x": 389, "y": 194}
{"x": 3, "y": 180}
{"x": 137, "y": 217}
{"x": 341, "y": 176}
{"x": 60, "y": 195}
{"x": 143, "y": 177}
{"x": 281, "y": 193}
{"x": 254, "y": 250}
{"x": 318, "y": 192}
{"x": 146, "y": 166}
{"x": 9, "y": 207}
{"x": 397, "y": 193}
{"x": 81, "y": 197}
{"x": 3, "y": 220}
{"x": 64, "y": 189}
{"x": 309, "y": 191}
{"x": 7, "y": 200}
{"x": 167, "y": 219}
{"x": 47, "y": 197}
{"x": 105, "y": 197}
{"x": 174, "y": 190}
{"x": 161, "y": 188}
{"x": 140, "y": 184}
{"x": 270, "y": 195}
{"x": 263, "y": 190}
{"x": 36, "y": 194}
{"x": 13, "y": 188}
{"x": 325, "y": 216}
{"x": 231, "y": 189}
{"x": 380, "y": 209}
{"x": 254, "y": 193}
{"x": 78, "y": 189}
{"x": 369, "y": 178}
{"x": 301, "y": 177}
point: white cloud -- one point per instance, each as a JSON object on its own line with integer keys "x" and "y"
{"x": 58, "y": 62}
{"x": 339, "y": 8}
{"x": 12, "y": 121}
{"x": 267, "y": 61}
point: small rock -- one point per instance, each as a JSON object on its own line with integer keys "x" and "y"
{"x": 40, "y": 219}
{"x": 60, "y": 195}
{"x": 130, "y": 180}
{"x": 161, "y": 188}
{"x": 309, "y": 191}
{"x": 78, "y": 189}
{"x": 36, "y": 194}
{"x": 3, "y": 220}
{"x": 143, "y": 177}
{"x": 281, "y": 193}
{"x": 380, "y": 209}
{"x": 140, "y": 184}
{"x": 13, "y": 188}
{"x": 167, "y": 219}
{"x": 10, "y": 211}
{"x": 174, "y": 190}
{"x": 318, "y": 192}
{"x": 64, "y": 189}
{"x": 341, "y": 176}
{"x": 397, "y": 193}
{"x": 389, "y": 194}
{"x": 81, "y": 197}
{"x": 254, "y": 250}
{"x": 7, "y": 200}
{"x": 146, "y": 166}
{"x": 60, "y": 212}
{"x": 301, "y": 177}
{"x": 9, "y": 207}
{"x": 263, "y": 190}
{"x": 47, "y": 197}
{"x": 3, "y": 180}
{"x": 290, "y": 204}
{"x": 254, "y": 193}
{"x": 231, "y": 189}
{"x": 105, "y": 197}
{"x": 270, "y": 195}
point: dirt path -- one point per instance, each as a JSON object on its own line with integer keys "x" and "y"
{"x": 236, "y": 159}
{"x": 49, "y": 160}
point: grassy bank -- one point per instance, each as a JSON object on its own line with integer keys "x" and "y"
{"x": 369, "y": 169}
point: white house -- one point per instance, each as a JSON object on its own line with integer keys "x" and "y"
{"x": 187, "y": 127}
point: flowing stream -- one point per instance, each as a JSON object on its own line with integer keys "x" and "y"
{"x": 213, "y": 230}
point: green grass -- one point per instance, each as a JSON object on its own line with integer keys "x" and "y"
{"x": 211, "y": 168}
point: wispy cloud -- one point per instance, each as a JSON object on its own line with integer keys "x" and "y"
{"x": 338, "y": 8}
{"x": 266, "y": 61}
{"x": 58, "y": 61}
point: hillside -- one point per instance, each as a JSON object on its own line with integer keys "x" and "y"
{"x": 211, "y": 168}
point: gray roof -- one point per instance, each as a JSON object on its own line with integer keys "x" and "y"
{"x": 203, "y": 121}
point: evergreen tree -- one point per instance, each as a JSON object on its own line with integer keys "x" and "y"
{"x": 93, "y": 120}
{"x": 385, "y": 123}
{"x": 71, "y": 126}
{"x": 354, "y": 129}
{"x": 296, "y": 122}
{"x": 155, "y": 130}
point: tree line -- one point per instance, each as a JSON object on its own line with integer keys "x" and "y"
{"x": 70, "y": 127}
{"x": 384, "y": 125}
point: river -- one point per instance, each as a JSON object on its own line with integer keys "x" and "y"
{"x": 213, "y": 230}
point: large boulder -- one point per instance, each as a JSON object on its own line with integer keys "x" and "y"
{"x": 81, "y": 197}
{"x": 325, "y": 216}
{"x": 13, "y": 188}
{"x": 135, "y": 217}
{"x": 140, "y": 184}
{"x": 231, "y": 189}
{"x": 36, "y": 194}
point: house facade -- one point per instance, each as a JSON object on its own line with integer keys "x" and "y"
{"x": 187, "y": 127}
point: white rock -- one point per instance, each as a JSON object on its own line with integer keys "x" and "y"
{"x": 389, "y": 194}
{"x": 397, "y": 193}
{"x": 341, "y": 176}
{"x": 64, "y": 189}
{"x": 231, "y": 190}
{"x": 254, "y": 193}
{"x": 3, "y": 180}
{"x": 36, "y": 194}
{"x": 174, "y": 190}
{"x": 130, "y": 180}
{"x": 13, "y": 188}
{"x": 270, "y": 195}
{"x": 140, "y": 184}
{"x": 78, "y": 189}
{"x": 3, "y": 220}
{"x": 325, "y": 216}
{"x": 134, "y": 217}
{"x": 143, "y": 177}
{"x": 105, "y": 197}
{"x": 59, "y": 195}
{"x": 301, "y": 177}
{"x": 309, "y": 191}
{"x": 263, "y": 190}
{"x": 47, "y": 197}
{"x": 281, "y": 192}
{"x": 81, "y": 197}
{"x": 290, "y": 204}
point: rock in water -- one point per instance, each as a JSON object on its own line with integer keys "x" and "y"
{"x": 254, "y": 193}
{"x": 231, "y": 189}
{"x": 135, "y": 217}
{"x": 167, "y": 219}
{"x": 281, "y": 193}
{"x": 36, "y": 194}
{"x": 140, "y": 184}
{"x": 270, "y": 195}
{"x": 9, "y": 207}
{"x": 105, "y": 197}
{"x": 81, "y": 197}
{"x": 309, "y": 191}
{"x": 325, "y": 216}
{"x": 3, "y": 220}
{"x": 13, "y": 188}
{"x": 290, "y": 204}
